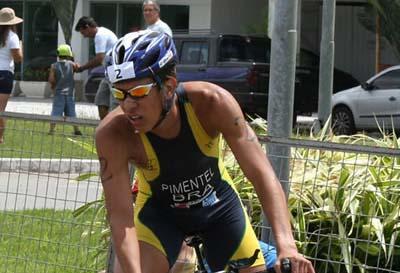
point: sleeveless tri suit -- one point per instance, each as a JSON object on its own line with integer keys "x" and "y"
{"x": 185, "y": 189}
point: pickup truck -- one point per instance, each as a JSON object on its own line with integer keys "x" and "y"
{"x": 240, "y": 64}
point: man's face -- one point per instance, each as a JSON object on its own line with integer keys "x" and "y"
{"x": 142, "y": 113}
{"x": 86, "y": 32}
{"x": 150, "y": 14}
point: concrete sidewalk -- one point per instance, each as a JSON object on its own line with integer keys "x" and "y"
{"x": 42, "y": 106}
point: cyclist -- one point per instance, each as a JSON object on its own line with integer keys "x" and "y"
{"x": 171, "y": 132}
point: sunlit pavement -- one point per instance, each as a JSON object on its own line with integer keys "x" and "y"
{"x": 42, "y": 106}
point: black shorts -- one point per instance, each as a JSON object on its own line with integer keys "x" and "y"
{"x": 6, "y": 81}
{"x": 224, "y": 228}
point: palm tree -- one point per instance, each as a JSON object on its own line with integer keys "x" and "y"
{"x": 385, "y": 24}
{"x": 65, "y": 10}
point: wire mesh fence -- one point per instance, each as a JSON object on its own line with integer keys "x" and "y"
{"x": 44, "y": 179}
{"x": 344, "y": 200}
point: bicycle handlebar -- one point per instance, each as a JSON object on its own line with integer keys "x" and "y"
{"x": 233, "y": 266}
{"x": 286, "y": 267}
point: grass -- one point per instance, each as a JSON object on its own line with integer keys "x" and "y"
{"x": 47, "y": 241}
{"x": 30, "y": 139}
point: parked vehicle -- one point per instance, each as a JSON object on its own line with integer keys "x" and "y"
{"x": 240, "y": 64}
{"x": 373, "y": 104}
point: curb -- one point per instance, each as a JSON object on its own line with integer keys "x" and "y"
{"x": 41, "y": 165}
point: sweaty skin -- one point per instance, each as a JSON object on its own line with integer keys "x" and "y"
{"x": 119, "y": 143}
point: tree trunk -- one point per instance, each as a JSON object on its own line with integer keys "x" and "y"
{"x": 377, "y": 44}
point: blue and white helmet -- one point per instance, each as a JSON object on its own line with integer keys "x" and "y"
{"x": 138, "y": 55}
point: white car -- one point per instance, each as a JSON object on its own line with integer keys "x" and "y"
{"x": 373, "y": 104}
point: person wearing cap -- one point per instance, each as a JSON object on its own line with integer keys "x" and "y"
{"x": 104, "y": 39}
{"x": 151, "y": 14}
{"x": 61, "y": 79}
{"x": 10, "y": 53}
{"x": 172, "y": 132}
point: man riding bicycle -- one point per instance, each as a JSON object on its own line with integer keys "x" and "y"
{"x": 172, "y": 132}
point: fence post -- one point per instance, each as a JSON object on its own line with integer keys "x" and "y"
{"x": 281, "y": 90}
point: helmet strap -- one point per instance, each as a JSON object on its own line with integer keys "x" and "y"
{"x": 166, "y": 107}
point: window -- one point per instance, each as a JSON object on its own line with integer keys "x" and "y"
{"x": 390, "y": 80}
{"x": 176, "y": 16}
{"x": 131, "y": 18}
{"x": 194, "y": 53}
{"x": 126, "y": 17}
{"x": 239, "y": 48}
{"x": 40, "y": 40}
{"x": 105, "y": 16}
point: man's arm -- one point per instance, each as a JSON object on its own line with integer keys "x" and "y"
{"x": 96, "y": 61}
{"x": 114, "y": 176}
{"x": 255, "y": 165}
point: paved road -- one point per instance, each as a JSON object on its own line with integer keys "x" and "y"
{"x": 20, "y": 191}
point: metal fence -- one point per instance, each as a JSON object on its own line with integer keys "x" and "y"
{"x": 44, "y": 179}
{"x": 344, "y": 200}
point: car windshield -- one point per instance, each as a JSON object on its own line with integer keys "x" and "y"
{"x": 254, "y": 49}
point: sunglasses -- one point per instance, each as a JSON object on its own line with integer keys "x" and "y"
{"x": 137, "y": 92}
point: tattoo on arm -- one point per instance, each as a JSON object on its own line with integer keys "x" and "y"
{"x": 103, "y": 170}
{"x": 250, "y": 135}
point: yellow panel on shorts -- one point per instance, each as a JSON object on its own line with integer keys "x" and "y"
{"x": 144, "y": 233}
{"x": 248, "y": 245}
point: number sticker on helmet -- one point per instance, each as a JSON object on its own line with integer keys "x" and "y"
{"x": 120, "y": 71}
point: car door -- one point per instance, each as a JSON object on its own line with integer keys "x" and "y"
{"x": 193, "y": 60}
{"x": 381, "y": 102}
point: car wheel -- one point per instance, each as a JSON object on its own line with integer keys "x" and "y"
{"x": 342, "y": 121}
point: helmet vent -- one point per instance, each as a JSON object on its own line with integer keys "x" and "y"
{"x": 151, "y": 59}
{"x": 121, "y": 54}
{"x": 143, "y": 46}
{"x": 167, "y": 42}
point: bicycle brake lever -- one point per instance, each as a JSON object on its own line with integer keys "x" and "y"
{"x": 286, "y": 266}
{"x": 234, "y": 266}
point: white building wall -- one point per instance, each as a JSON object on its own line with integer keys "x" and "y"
{"x": 354, "y": 45}
{"x": 236, "y": 16}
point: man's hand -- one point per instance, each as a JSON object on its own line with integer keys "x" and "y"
{"x": 78, "y": 68}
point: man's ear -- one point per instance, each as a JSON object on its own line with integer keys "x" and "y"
{"x": 170, "y": 85}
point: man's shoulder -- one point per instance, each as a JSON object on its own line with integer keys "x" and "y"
{"x": 161, "y": 26}
{"x": 103, "y": 32}
{"x": 205, "y": 94}
{"x": 203, "y": 88}
{"x": 113, "y": 125}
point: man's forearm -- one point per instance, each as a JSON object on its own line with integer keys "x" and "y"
{"x": 90, "y": 64}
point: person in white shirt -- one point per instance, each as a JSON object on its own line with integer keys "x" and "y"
{"x": 10, "y": 53}
{"x": 104, "y": 39}
{"x": 151, "y": 14}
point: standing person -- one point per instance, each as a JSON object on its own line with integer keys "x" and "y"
{"x": 61, "y": 79}
{"x": 10, "y": 53}
{"x": 151, "y": 14}
{"x": 104, "y": 39}
{"x": 172, "y": 132}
